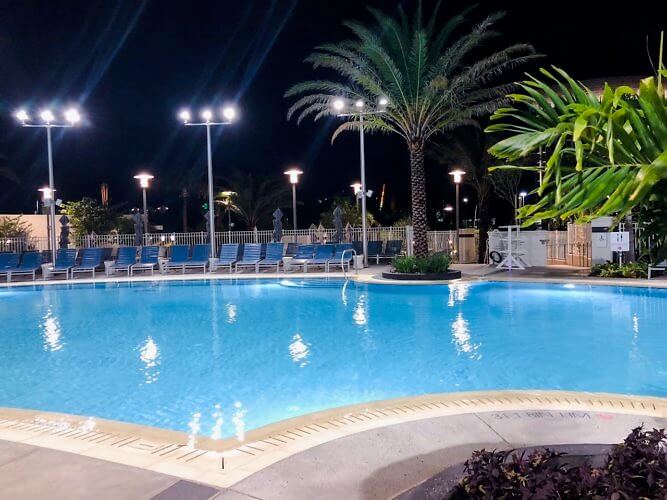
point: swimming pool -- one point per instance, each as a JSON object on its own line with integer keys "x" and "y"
{"x": 219, "y": 358}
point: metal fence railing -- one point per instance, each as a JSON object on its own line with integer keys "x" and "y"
{"x": 24, "y": 244}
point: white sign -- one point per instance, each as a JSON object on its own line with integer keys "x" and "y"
{"x": 620, "y": 241}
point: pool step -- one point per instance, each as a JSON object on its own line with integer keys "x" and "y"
{"x": 313, "y": 283}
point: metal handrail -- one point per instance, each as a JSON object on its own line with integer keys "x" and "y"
{"x": 342, "y": 261}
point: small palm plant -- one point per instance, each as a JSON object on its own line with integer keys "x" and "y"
{"x": 429, "y": 75}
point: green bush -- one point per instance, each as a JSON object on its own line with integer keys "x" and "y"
{"x": 628, "y": 270}
{"x": 435, "y": 263}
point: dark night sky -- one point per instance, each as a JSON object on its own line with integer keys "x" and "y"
{"x": 130, "y": 66}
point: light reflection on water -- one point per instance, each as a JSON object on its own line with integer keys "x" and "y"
{"x": 299, "y": 350}
{"x": 50, "y": 330}
{"x": 150, "y": 357}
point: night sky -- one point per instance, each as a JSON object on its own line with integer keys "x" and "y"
{"x": 130, "y": 66}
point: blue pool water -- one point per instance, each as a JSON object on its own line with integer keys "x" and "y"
{"x": 223, "y": 357}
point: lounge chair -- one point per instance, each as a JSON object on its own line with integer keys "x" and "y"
{"x": 178, "y": 258}
{"x": 274, "y": 256}
{"x": 30, "y": 264}
{"x": 200, "y": 256}
{"x": 343, "y": 254}
{"x": 91, "y": 259}
{"x": 392, "y": 249}
{"x": 323, "y": 254}
{"x": 374, "y": 250}
{"x": 657, "y": 267}
{"x": 358, "y": 247}
{"x": 227, "y": 256}
{"x": 252, "y": 253}
{"x": 291, "y": 249}
{"x": 125, "y": 258}
{"x": 65, "y": 261}
{"x": 303, "y": 254}
{"x": 9, "y": 261}
{"x": 148, "y": 260}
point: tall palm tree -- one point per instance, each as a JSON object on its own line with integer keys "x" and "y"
{"x": 429, "y": 74}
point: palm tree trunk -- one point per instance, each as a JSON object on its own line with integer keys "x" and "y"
{"x": 483, "y": 228}
{"x": 418, "y": 186}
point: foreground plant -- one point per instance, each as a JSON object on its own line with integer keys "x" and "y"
{"x": 636, "y": 468}
{"x": 436, "y": 263}
{"x": 432, "y": 78}
{"x": 627, "y": 270}
{"x": 608, "y": 155}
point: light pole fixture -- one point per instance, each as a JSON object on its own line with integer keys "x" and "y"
{"x": 522, "y": 198}
{"x": 356, "y": 188}
{"x": 293, "y": 174}
{"x": 358, "y": 110}
{"x": 144, "y": 180}
{"x": 49, "y": 121}
{"x": 457, "y": 174}
{"x": 207, "y": 115}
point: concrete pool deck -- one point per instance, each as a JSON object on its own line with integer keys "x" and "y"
{"x": 370, "y": 450}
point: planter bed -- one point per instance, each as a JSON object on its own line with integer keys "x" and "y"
{"x": 449, "y": 275}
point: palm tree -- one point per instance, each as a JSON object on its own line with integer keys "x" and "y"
{"x": 428, "y": 74}
{"x": 254, "y": 198}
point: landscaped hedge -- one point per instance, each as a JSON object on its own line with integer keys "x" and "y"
{"x": 436, "y": 263}
{"x": 627, "y": 270}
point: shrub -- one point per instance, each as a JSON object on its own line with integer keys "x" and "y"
{"x": 636, "y": 468}
{"x": 627, "y": 270}
{"x": 435, "y": 263}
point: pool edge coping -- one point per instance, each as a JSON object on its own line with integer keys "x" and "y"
{"x": 225, "y": 462}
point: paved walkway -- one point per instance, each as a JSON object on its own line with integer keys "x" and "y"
{"x": 374, "y": 464}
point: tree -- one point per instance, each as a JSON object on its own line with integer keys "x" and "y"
{"x": 351, "y": 214}
{"x": 255, "y": 199}
{"x": 87, "y": 216}
{"x": 608, "y": 154}
{"x": 429, "y": 76}
{"x": 506, "y": 184}
{"x": 13, "y": 227}
{"x": 466, "y": 148}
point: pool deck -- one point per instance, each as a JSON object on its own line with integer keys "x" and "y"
{"x": 371, "y": 450}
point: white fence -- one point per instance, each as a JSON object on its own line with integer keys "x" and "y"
{"x": 438, "y": 241}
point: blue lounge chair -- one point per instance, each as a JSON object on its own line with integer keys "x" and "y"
{"x": 343, "y": 254}
{"x": 252, "y": 253}
{"x": 374, "y": 250}
{"x": 392, "y": 249}
{"x": 227, "y": 256}
{"x": 200, "y": 256}
{"x": 303, "y": 253}
{"x": 178, "y": 258}
{"x": 30, "y": 264}
{"x": 91, "y": 259}
{"x": 148, "y": 260}
{"x": 274, "y": 256}
{"x": 291, "y": 249}
{"x": 9, "y": 260}
{"x": 65, "y": 261}
{"x": 323, "y": 254}
{"x": 125, "y": 258}
{"x": 358, "y": 246}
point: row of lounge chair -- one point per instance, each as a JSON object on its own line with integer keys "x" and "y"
{"x": 234, "y": 257}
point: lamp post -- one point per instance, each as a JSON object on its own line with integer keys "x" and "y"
{"x": 72, "y": 117}
{"x": 458, "y": 178}
{"x": 356, "y": 188}
{"x": 144, "y": 179}
{"x": 522, "y": 198}
{"x": 228, "y": 113}
{"x": 48, "y": 196}
{"x": 293, "y": 174}
{"x": 359, "y": 112}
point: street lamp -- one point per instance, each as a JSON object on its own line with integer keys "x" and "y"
{"x": 356, "y": 187}
{"x": 522, "y": 198}
{"x": 144, "y": 180}
{"x": 339, "y": 105}
{"x": 72, "y": 117}
{"x": 293, "y": 174}
{"x": 207, "y": 115}
{"x": 458, "y": 178}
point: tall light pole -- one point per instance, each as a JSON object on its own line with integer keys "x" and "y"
{"x": 144, "y": 180}
{"x": 293, "y": 174}
{"x": 359, "y": 113}
{"x": 228, "y": 113}
{"x": 356, "y": 188}
{"x": 458, "y": 178}
{"x": 72, "y": 117}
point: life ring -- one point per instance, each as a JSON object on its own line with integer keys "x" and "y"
{"x": 495, "y": 257}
